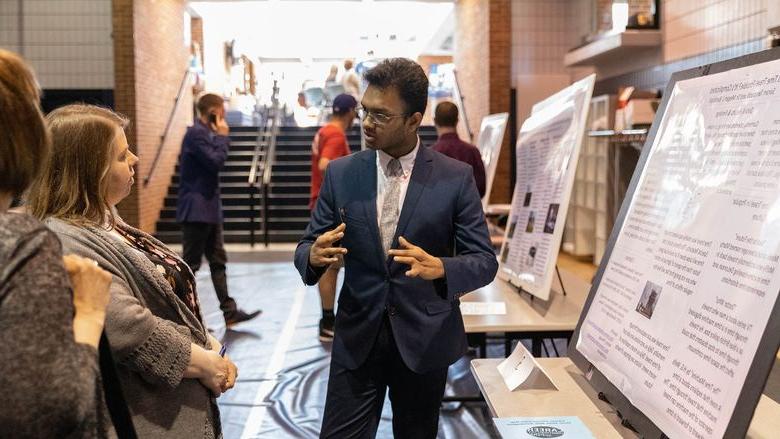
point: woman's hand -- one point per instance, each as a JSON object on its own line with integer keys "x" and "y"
{"x": 215, "y": 374}
{"x": 232, "y": 375}
{"x": 209, "y": 368}
{"x": 90, "y": 297}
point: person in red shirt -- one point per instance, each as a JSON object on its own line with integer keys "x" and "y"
{"x": 446, "y": 120}
{"x": 330, "y": 143}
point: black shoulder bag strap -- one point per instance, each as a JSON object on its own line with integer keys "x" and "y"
{"x": 112, "y": 390}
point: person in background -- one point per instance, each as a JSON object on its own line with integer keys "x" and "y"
{"x": 169, "y": 366}
{"x": 409, "y": 225}
{"x": 304, "y": 116}
{"x": 199, "y": 207}
{"x": 52, "y": 308}
{"x": 331, "y": 79}
{"x": 446, "y": 120}
{"x": 350, "y": 80}
{"x": 330, "y": 143}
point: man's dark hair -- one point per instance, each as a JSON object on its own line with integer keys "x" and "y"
{"x": 407, "y": 77}
{"x": 209, "y": 101}
{"x": 446, "y": 115}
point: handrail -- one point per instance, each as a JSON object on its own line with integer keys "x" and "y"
{"x": 266, "y": 141}
{"x": 270, "y": 156}
{"x": 266, "y": 138}
{"x": 259, "y": 142}
{"x": 168, "y": 124}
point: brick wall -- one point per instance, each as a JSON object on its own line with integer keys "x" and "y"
{"x": 693, "y": 27}
{"x": 150, "y": 60}
{"x": 196, "y": 27}
{"x": 500, "y": 89}
{"x": 484, "y": 28}
{"x": 542, "y": 32}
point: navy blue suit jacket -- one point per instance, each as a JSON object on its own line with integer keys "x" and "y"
{"x": 203, "y": 154}
{"x": 442, "y": 214}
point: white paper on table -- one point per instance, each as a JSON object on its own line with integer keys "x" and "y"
{"x": 482, "y": 308}
{"x": 519, "y": 368}
{"x": 542, "y": 427}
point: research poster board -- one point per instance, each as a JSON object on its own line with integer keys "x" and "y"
{"x": 681, "y": 326}
{"x": 548, "y": 147}
{"x": 491, "y": 136}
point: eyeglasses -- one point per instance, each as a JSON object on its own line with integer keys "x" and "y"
{"x": 376, "y": 117}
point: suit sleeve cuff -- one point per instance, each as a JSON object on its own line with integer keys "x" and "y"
{"x": 443, "y": 284}
{"x": 313, "y": 274}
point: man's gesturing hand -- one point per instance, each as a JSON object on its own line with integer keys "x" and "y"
{"x": 322, "y": 252}
{"x": 421, "y": 263}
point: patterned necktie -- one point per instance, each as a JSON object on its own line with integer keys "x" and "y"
{"x": 390, "y": 208}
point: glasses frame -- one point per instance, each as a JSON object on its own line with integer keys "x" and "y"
{"x": 379, "y": 119}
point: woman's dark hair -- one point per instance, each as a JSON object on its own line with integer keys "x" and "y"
{"x": 407, "y": 77}
{"x": 24, "y": 139}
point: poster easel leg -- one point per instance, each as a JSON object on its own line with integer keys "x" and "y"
{"x": 558, "y": 272}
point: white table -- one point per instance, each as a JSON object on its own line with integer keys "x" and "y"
{"x": 575, "y": 397}
{"x": 527, "y": 317}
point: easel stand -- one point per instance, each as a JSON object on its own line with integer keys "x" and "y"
{"x": 520, "y": 290}
{"x": 623, "y": 420}
{"x": 538, "y": 339}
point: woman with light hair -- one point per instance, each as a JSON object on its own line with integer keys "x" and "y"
{"x": 52, "y": 307}
{"x": 169, "y": 365}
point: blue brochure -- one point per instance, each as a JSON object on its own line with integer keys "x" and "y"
{"x": 567, "y": 427}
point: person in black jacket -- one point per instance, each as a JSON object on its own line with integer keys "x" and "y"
{"x": 409, "y": 224}
{"x": 199, "y": 208}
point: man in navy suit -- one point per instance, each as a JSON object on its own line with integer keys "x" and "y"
{"x": 198, "y": 206}
{"x": 409, "y": 224}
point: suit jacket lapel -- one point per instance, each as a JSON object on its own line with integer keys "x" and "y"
{"x": 367, "y": 188}
{"x": 420, "y": 173}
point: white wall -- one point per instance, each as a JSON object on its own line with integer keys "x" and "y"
{"x": 68, "y": 42}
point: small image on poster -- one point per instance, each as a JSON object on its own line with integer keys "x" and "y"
{"x": 527, "y": 200}
{"x": 512, "y": 227}
{"x": 649, "y": 299}
{"x": 529, "y": 228}
{"x": 552, "y": 217}
{"x": 529, "y": 260}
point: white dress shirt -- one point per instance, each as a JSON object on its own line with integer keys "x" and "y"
{"x": 407, "y": 164}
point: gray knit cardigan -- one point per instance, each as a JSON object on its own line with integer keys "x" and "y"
{"x": 150, "y": 330}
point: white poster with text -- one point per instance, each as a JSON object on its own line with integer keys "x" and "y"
{"x": 491, "y": 137}
{"x": 547, "y": 150}
{"x": 693, "y": 275}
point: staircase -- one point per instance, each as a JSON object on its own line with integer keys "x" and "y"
{"x": 288, "y": 200}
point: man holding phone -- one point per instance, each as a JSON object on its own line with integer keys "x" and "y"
{"x": 198, "y": 207}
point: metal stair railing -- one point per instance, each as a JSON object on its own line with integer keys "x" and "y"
{"x": 167, "y": 129}
{"x": 265, "y": 145}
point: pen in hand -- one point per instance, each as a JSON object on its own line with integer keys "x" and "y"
{"x": 222, "y": 350}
